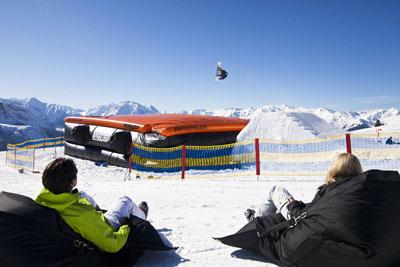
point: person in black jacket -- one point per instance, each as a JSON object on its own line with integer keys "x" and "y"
{"x": 390, "y": 141}
{"x": 350, "y": 222}
{"x": 281, "y": 201}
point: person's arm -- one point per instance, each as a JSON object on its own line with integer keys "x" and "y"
{"x": 92, "y": 226}
{"x": 108, "y": 240}
{"x": 296, "y": 208}
{"x": 84, "y": 195}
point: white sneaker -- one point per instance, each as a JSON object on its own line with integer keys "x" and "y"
{"x": 281, "y": 198}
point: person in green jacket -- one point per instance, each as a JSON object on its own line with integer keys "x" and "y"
{"x": 108, "y": 231}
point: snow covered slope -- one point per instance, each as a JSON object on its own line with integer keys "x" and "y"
{"x": 286, "y": 126}
{"x": 15, "y": 134}
{"x": 392, "y": 126}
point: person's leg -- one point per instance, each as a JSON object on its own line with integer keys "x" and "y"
{"x": 281, "y": 198}
{"x": 268, "y": 207}
{"x": 277, "y": 201}
{"x": 264, "y": 209}
{"x": 121, "y": 210}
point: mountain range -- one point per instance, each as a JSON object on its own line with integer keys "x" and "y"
{"x": 23, "y": 119}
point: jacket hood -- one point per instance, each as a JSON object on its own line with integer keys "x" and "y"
{"x": 56, "y": 201}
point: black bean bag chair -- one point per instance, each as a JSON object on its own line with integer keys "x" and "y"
{"x": 352, "y": 222}
{"x": 33, "y": 235}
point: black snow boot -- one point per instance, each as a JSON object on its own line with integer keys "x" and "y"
{"x": 144, "y": 207}
{"x": 250, "y": 214}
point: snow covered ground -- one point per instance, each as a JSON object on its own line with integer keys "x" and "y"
{"x": 188, "y": 212}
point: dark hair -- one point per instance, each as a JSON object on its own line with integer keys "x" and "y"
{"x": 58, "y": 175}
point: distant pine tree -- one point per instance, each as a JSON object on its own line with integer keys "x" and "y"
{"x": 378, "y": 123}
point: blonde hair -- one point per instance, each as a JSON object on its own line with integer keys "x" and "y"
{"x": 343, "y": 165}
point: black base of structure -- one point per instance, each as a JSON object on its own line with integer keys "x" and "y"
{"x": 114, "y": 140}
{"x": 96, "y": 154}
{"x": 193, "y": 139}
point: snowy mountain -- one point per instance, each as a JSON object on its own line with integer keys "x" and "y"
{"x": 227, "y": 112}
{"x": 348, "y": 121}
{"x": 34, "y": 112}
{"x": 24, "y": 119}
{"x": 122, "y": 108}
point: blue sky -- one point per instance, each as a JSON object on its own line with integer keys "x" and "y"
{"x": 343, "y": 55}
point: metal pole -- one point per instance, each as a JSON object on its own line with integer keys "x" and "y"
{"x": 348, "y": 143}
{"x": 15, "y": 157}
{"x": 33, "y": 161}
{"x": 257, "y": 147}
{"x": 130, "y": 159}
{"x": 183, "y": 161}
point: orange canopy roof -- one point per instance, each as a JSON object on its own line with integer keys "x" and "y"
{"x": 165, "y": 124}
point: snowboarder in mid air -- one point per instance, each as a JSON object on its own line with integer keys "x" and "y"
{"x": 221, "y": 73}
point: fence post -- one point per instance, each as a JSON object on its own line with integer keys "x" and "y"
{"x": 257, "y": 146}
{"x": 130, "y": 159}
{"x": 348, "y": 143}
{"x": 378, "y": 137}
{"x": 15, "y": 157}
{"x": 33, "y": 160}
{"x": 55, "y": 149}
{"x": 183, "y": 161}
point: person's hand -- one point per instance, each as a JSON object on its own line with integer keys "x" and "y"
{"x": 125, "y": 220}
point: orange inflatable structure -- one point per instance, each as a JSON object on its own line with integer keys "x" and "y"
{"x": 165, "y": 124}
{"x": 91, "y": 136}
